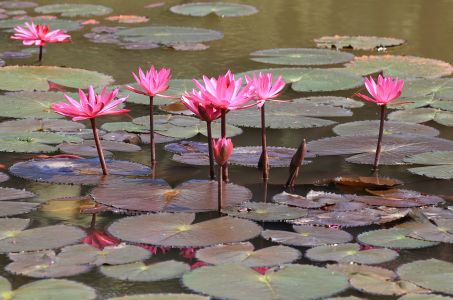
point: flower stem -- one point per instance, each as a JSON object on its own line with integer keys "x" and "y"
{"x": 151, "y": 130}
{"x": 220, "y": 189}
{"x": 223, "y": 135}
{"x": 381, "y": 133}
{"x": 99, "y": 147}
{"x": 40, "y": 54}
{"x": 264, "y": 158}
{"x": 211, "y": 154}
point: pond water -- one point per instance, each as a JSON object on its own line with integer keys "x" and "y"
{"x": 425, "y": 25}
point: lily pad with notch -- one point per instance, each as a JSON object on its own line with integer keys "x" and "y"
{"x": 368, "y": 127}
{"x": 245, "y": 254}
{"x": 264, "y": 212}
{"x": 148, "y": 195}
{"x": 74, "y": 9}
{"x": 441, "y": 230}
{"x": 376, "y": 285}
{"x": 74, "y": 171}
{"x": 43, "y": 125}
{"x": 301, "y": 56}
{"x": 313, "y": 199}
{"x": 67, "y": 25}
{"x": 440, "y": 164}
{"x": 221, "y": 9}
{"x": 357, "y": 42}
{"x": 395, "y": 237}
{"x": 422, "y": 115}
{"x": 177, "y": 230}
{"x": 33, "y": 142}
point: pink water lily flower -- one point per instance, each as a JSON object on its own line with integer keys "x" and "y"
{"x": 39, "y": 35}
{"x": 153, "y": 82}
{"x": 91, "y": 105}
{"x": 264, "y": 88}
{"x": 223, "y": 148}
{"x": 384, "y": 91}
{"x": 196, "y": 103}
{"x": 224, "y": 92}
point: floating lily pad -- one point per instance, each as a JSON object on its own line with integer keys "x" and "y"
{"x": 421, "y": 115}
{"x": 43, "y": 264}
{"x": 441, "y": 164}
{"x": 128, "y": 19}
{"x": 14, "y": 194}
{"x": 351, "y": 253}
{"x": 393, "y": 238}
{"x": 74, "y": 10}
{"x": 124, "y": 126}
{"x": 17, "y": 4}
{"x": 12, "y": 208}
{"x": 369, "y": 182}
{"x": 394, "y": 147}
{"x": 432, "y": 274}
{"x": 314, "y": 199}
{"x": 88, "y": 148}
{"x": 346, "y": 206}
{"x": 158, "y": 139}
{"x": 46, "y": 125}
{"x": 47, "y": 289}
{"x": 111, "y": 255}
{"x": 221, "y": 9}
{"x": 148, "y": 195}
{"x": 41, "y": 238}
{"x": 382, "y": 286}
{"x": 370, "y": 127}
{"x": 399, "y": 198}
{"x": 3, "y": 177}
{"x": 82, "y": 150}
{"x": 287, "y": 282}
{"x": 265, "y": 212}
{"x": 357, "y": 42}
{"x": 32, "y": 142}
{"x": 342, "y": 102}
{"x": 74, "y": 171}
{"x": 163, "y": 270}
{"x": 166, "y": 297}
{"x": 403, "y": 67}
{"x": 440, "y": 231}
{"x": 31, "y": 78}
{"x": 424, "y": 297}
{"x": 350, "y": 270}
{"x": 325, "y": 80}
{"x": 168, "y": 34}
{"x": 67, "y": 25}
{"x": 177, "y": 230}
{"x": 300, "y": 113}
{"x": 244, "y": 254}
{"x": 308, "y": 236}
{"x": 301, "y": 56}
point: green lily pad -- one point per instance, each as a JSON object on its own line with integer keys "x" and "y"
{"x": 433, "y": 274}
{"x": 370, "y": 127}
{"x": 45, "y": 125}
{"x": 12, "y": 208}
{"x": 74, "y": 10}
{"x": 393, "y": 238}
{"x": 148, "y": 195}
{"x": 35, "y": 78}
{"x": 10, "y": 226}
{"x": 244, "y": 254}
{"x": 421, "y": 115}
{"x": 163, "y": 270}
{"x": 177, "y": 230}
{"x": 67, "y": 25}
{"x": 301, "y": 56}
{"x": 41, "y": 238}
{"x": 336, "y": 101}
{"x": 350, "y": 270}
{"x": 47, "y": 289}
{"x": 326, "y": 80}
{"x": 162, "y": 297}
{"x": 168, "y": 34}
{"x": 265, "y": 212}
{"x": 351, "y": 253}
{"x": 440, "y": 231}
{"x": 382, "y": 286}
{"x": 74, "y": 171}
{"x": 357, "y": 42}
{"x": 313, "y": 199}
{"x": 441, "y": 164}
{"x": 221, "y": 9}
{"x": 291, "y": 281}
{"x": 88, "y": 148}
{"x": 398, "y": 198}
{"x": 403, "y": 67}
{"x": 111, "y": 255}
{"x": 307, "y": 236}
{"x": 32, "y": 142}
{"x": 124, "y": 126}
{"x": 394, "y": 149}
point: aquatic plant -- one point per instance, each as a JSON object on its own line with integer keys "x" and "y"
{"x": 223, "y": 148}
{"x": 90, "y": 107}
{"x": 39, "y": 35}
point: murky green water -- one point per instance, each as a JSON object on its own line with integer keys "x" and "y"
{"x": 426, "y": 25}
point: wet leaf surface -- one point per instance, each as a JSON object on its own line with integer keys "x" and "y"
{"x": 357, "y": 42}
{"x": 265, "y": 212}
{"x": 440, "y": 164}
{"x": 74, "y": 10}
{"x": 221, "y": 9}
{"x": 301, "y": 56}
{"x": 393, "y": 238}
{"x": 369, "y": 127}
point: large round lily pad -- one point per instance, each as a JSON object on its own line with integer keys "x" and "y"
{"x": 32, "y": 142}
{"x": 403, "y": 67}
{"x": 74, "y": 171}
{"x": 393, "y": 238}
{"x": 41, "y": 238}
{"x": 12, "y": 208}
{"x": 221, "y": 9}
{"x": 31, "y": 78}
{"x": 287, "y": 282}
{"x": 313, "y": 199}
{"x": 440, "y": 164}
{"x": 301, "y": 56}
{"x": 308, "y": 236}
{"x": 421, "y": 115}
{"x": 440, "y": 231}
{"x": 351, "y": 253}
{"x": 177, "y": 230}
{"x": 74, "y": 9}
{"x": 377, "y": 285}
{"x": 394, "y": 149}
{"x": 44, "y": 125}
{"x": 47, "y": 289}
{"x": 357, "y": 42}
{"x": 67, "y": 25}
{"x": 265, "y": 212}
{"x": 244, "y": 254}
{"x": 163, "y": 270}
{"x": 148, "y": 195}
{"x": 168, "y": 34}
{"x": 370, "y": 127}
{"x": 433, "y": 274}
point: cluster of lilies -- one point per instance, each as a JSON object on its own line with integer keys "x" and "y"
{"x": 212, "y": 99}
